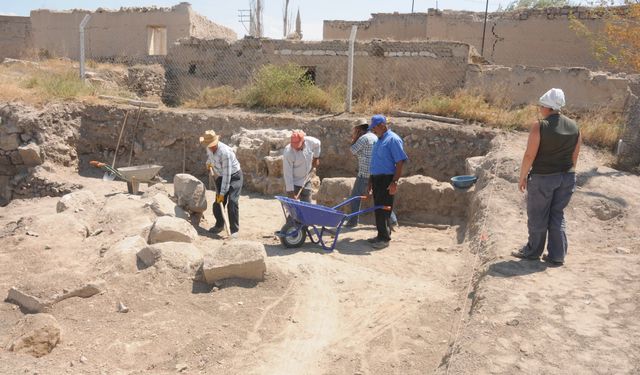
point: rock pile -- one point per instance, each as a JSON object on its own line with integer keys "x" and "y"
{"x": 146, "y": 80}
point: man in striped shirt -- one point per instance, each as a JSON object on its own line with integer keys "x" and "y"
{"x": 362, "y": 141}
{"x": 223, "y": 160}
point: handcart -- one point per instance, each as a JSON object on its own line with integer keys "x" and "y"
{"x": 133, "y": 175}
{"x": 313, "y": 220}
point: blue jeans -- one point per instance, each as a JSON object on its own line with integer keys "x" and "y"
{"x": 360, "y": 188}
{"x": 548, "y": 195}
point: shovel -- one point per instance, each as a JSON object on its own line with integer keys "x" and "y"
{"x": 223, "y": 208}
{"x": 109, "y": 175}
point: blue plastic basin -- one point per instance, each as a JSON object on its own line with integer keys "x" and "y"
{"x": 463, "y": 182}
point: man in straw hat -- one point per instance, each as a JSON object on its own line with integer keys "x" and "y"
{"x": 223, "y": 160}
{"x": 299, "y": 158}
{"x": 548, "y": 174}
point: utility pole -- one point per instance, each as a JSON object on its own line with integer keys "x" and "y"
{"x": 412, "y": 4}
{"x": 484, "y": 27}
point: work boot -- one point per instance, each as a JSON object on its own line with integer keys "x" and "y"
{"x": 216, "y": 229}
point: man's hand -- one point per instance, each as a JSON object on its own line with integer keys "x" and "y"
{"x": 219, "y": 198}
{"x": 393, "y": 188}
{"x": 291, "y": 194}
{"x": 522, "y": 185}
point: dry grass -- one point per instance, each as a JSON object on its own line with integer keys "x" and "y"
{"x": 601, "y": 129}
{"x": 52, "y": 80}
{"x": 214, "y": 97}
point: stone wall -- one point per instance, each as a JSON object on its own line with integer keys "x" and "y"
{"x": 584, "y": 89}
{"x": 116, "y": 34}
{"x": 530, "y": 37}
{"x": 146, "y": 80}
{"x": 15, "y": 37}
{"x": 391, "y": 68}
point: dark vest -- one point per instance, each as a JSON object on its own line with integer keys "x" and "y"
{"x": 558, "y": 139}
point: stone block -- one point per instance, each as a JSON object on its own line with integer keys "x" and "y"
{"x": 334, "y": 190}
{"x": 36, "y": 335}
{"x": 236, "y": 259}
{"x": 190, "y": 192}
{"x": 181, "y": 256}
{"x": 9, "y": 142}
{"x": 164, "y": 206}
{"x": 172, "y": 229}
{"x": 26, "y": 301}
{"x": 82, "y": 199}
{"x": 122, "y": 256}
{"x": 273, "y": 165}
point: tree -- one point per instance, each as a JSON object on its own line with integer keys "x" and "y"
{"x": 619, "y": 42}
{"x": 537, "y": 4}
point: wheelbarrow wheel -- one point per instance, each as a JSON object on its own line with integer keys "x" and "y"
{"x": 289, "y": 238}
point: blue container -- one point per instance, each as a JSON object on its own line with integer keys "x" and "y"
{"x": 463, "y": 182}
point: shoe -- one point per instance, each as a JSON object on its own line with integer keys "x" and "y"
{"x": 234, "y": 235}
{"x": 216, "y": 230}
{"x": 522, "y": 255}
{"x": 380, "y": 244}
{"x": 373, "y": 240}
{"x": 552, "y": 262}
{"x": 350, "y": 225}
{"x": 393, "y": 226}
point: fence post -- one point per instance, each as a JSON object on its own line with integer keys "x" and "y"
{"x": 83, "y": 23}
{"x": 352, "y": 40}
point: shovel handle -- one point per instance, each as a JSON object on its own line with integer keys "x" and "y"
{"x": 97, "y": 164}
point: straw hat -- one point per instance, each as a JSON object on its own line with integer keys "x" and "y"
{"x": 209, "y": 139}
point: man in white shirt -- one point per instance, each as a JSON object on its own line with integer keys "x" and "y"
{"x": 223, "y": 160}
{"x": 299, "y": 158}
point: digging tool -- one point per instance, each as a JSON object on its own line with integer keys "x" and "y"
{"x": 133, "y": 136}
{"x": 109, "y": 175}
{"x": 223, "y": 208}
{"x": 306, "y": 181}
{"x": 108, "y": 170}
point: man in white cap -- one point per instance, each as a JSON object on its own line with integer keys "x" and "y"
{"x": 548, "y": 173}
{"x": 299, "y": 158}
{"x": 223, "y": 160}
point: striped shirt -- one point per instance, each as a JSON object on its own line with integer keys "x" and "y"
{"x": 296, "y": 165}
{"x": 362, "y": 150}
{"x": 224, "y": 164}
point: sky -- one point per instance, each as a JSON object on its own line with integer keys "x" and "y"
{"x": 225, "y": 12}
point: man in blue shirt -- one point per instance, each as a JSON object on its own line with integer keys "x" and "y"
{"x": 387, "y": 159}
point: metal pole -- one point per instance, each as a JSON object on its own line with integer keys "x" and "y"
{"x": 83, "y": 23}
{"x": 484, "y": 27}
{"x": 412, "y": 3}
{"x": 352, "y": 40}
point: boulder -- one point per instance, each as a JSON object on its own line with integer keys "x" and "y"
{"x": 172, "y": 229}
{"x": 472, "y": 164}
{"x": 35, "y": 334}
{"x": 27, "y": 302}
{"x": 190, "y": 192}
{"x": 236, "y": 259}
{"x": 334, "y": 190}
{"x": 164, "y": 206}
{"x": 82, "y": 199}
{"x": 273, "y": 165}
{"x": 181, "y": 256}
{"x": 122, "y": 255}
{"x": 30, "y": 154}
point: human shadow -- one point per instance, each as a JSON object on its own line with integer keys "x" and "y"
{"x": 511, "y": 268}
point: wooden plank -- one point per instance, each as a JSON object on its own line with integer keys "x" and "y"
{"x": 137, "y": 103}
{"x": 427, "y": 116}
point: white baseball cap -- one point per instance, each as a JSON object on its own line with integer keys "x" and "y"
{"x": 553, "y": 99}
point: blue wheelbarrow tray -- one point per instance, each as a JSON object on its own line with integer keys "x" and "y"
{"x": 315, "y": 218}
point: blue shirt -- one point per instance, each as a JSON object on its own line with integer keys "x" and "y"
{"x": 386, "y": 153}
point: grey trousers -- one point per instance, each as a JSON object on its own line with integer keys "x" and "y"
{"x": 548, "y": 195}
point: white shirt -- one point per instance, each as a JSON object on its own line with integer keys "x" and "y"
{"x": 297, "y": 164}
{"x": 224, "y": 164}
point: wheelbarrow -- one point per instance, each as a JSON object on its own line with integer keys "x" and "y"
{"x": 313, "y": 220}
{"x": 133, "y": 175}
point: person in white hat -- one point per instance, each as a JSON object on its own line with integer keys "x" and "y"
{"x": 223, "y": 160}
{"x": 548, "y": 174}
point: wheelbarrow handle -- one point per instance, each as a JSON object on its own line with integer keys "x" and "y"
{"x": 97, "y": 164}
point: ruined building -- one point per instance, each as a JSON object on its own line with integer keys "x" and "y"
{"x": 127, "y": 33}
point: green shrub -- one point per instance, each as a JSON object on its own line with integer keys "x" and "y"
{"x": 63, "y": 85}
{"x": 214, "y": 97}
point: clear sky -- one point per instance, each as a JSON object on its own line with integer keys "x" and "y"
{"x": 225, "y": 12}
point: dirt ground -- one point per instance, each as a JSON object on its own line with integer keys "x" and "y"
{"x": 436, "y": 301}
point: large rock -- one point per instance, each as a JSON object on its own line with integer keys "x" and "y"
{"x": 30, "y": 154}
{"x": 164, "y": 206}
{"x": 35, "y": 334}
{"x": 181, "y": 256}
{"x": 82, "y": 199}
{"x": 172, "y": 229}
{"x": 27, "y": 302}
{"x": 190, "y": 192}
{"x": 122, "y": 256}
{"x": 273, "y": 165}
{"x": 334, "y": 190}
{"x": 237, "y": 259}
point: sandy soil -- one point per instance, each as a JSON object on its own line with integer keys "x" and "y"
{"x": 438, "y": 301}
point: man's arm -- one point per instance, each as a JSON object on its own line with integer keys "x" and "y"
{"x": 533, "y": 143}
{"x": 287, "y": 173}
{"x": 393, "y": 186}
{"x": 226, "y": 174}
{"x": 576, "y": 150}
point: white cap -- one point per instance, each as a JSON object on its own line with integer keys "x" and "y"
{"x": 553, "y": 99}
